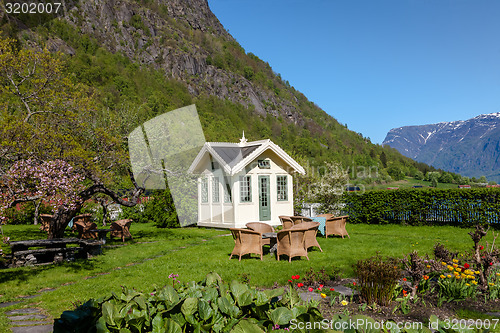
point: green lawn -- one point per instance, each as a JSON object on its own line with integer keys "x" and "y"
{"x": 155, "y": 253}
{"x": 409, "y": 182}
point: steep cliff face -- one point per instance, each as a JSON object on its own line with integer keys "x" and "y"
{"x": 180, "y": 37}
{"x": 471, "y": 147}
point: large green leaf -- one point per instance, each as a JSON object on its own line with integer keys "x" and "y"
{"x": 271, "y": 293}
{"x": 261, "y": 298}
{"x": 204, "y": 310}
{"x": 212, "y": 278}
{"x": 210, "y": 294}
{"x": 246, "y": 326}
{"x": 228, "y": 308}
{"x": 170, "y": 326}
{"x": 238, "y": 288}
{"x": 280, "y": 316}
{"x": 169, "y": 295}
{"x": 246, "y": 298}
{"x": 109, "y": 312}
{"x": 101, "y": 326}
{"x": 190, "y": 306}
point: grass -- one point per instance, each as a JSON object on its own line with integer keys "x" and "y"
{"x": 408, "y": 182}
{"x": 155, "y": 253}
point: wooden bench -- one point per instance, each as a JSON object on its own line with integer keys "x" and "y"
{"x": 51, "y": 251}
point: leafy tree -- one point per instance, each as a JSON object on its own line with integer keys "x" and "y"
{"x": 46, "y": 135}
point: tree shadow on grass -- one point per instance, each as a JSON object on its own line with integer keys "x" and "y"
{"x": 23, "y": 274}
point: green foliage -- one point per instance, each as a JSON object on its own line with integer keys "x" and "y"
{"x": 377, "y": 279}
{"x": 158, "y": 208}
{"x": 211, "y": 305}
{"x": 424, "y": 206}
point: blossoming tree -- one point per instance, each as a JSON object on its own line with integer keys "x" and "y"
{"x": 51, "y": 147}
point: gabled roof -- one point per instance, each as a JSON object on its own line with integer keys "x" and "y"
{"x": 234, "y": 157}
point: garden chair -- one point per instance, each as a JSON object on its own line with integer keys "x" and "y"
{"x": 121, "y": 229}
{"x": 82, "y": 218}
{"x": 286, "y": 221}
{"x": 246, "y": 241}
{"x": 311, "y": 233}
{"x": 335, "y": 225}
{"x": 45, "y": 222}
{"x": 84, "y": 230}
{"x": 300, "y": 219}
{"x": 292, "y": 243}
{"x": 261, "y": 228}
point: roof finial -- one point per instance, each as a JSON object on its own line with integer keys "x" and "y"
{"x": 243, "y": 140}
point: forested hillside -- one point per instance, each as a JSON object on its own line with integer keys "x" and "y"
{"x": 143, "y": 58}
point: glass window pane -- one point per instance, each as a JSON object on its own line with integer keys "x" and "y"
{"x": 215, "y": 190}
{"x": 282, "y": 188}
{"x": 245, "y": 189}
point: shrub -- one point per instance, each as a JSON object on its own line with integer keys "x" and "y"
{"x": 377, "y": 279}
{"x": 159, "y": 209}
{"x": 209, "y": 306}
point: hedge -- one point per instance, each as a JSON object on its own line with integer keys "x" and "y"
{"x": 424, "y": 206}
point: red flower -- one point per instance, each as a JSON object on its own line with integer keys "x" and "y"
{"x": 491, "y": 264}
{"x": 310, "y": 289}
{"x": 297, "y": 277}
{"x": 354, "y": 283}
{"x": 481, "y": 247}
{"x": 321, "y": 286}
{"x": 426, "y": 277}
{"x": 300, "y": 285}
{"x": 332, "y": 289}
{"x": 404, "y": 292}
{"x": 466, "y": 265}
{"x": 404, "y": 279}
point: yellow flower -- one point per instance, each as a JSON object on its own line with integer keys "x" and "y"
{"x": 455, "y": 265}
{"x": 463, "y": 276}
{"x": 491, "y": 284}
{"x": 474, "y": 282}
{"x": 477, "y": 272}
{"x": 323, "y": 295}
{"x": 455, "y": 260}
{"x": 450, "y": 268}
{"x": 442, "y": 276}
{"x": 472, "y": 277}
{"x": 457, "y": 277}
{"x": 443, "y": 263}
{"x": 429, "y": 266}
{"x": 344, "y": 302}
{"x": 458, "y": 269}
{"x": 498, "y": 274}
{"x": 455, "y": 273}
{"x": 449, "y": 276}
{"x": 468, "y": 285}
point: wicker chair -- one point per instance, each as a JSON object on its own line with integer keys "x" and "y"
{"x": 45, "y": 222}
{"x": 292, "y": 243}
{"x": 246, "y": 241}
{"x": 121, "y": 229}
{"x": 261, "y": 228}
{"x": 311, "y": 232}
{"x": 286, "y": 221}
{"x": 300, "y": 219}
{"x": 83, "y": 230}
{"x": 83, "y": 218}
{"x": 335, "y": 225}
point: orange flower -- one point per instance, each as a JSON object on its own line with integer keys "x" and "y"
{"x": 426, "y": 277}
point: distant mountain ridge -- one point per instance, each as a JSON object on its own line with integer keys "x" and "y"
{"x": 469, "y": 147}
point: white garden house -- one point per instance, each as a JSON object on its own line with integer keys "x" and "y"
{"x": 243, "y": 182}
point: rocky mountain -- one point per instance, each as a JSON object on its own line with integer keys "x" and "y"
{"x": 145, "y": 57}
{"x": 469, "y": 147}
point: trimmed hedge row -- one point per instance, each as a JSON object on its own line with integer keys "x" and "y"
{"x": 424, "y": 206}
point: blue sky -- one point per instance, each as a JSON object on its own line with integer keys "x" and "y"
{"x": 378, "y": 64}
